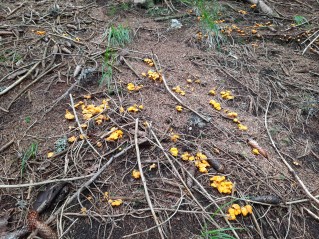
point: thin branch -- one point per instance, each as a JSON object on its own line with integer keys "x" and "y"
{"x": 80, "y": 128}
{"x": 186, "y": 187}
{"x": 299, "y": 201}
{"x": 31, "y": 83}
{"x": 44, "y": 182}
{"x": 85, "y": 185}
{"x": 176, "y": 98}
{"x": 19, "y": 80}
{"x": 144, "y": 181}
{"x": 311, "y": 213}
{"x": 6, "y": 145}
{"x": 92, "y": 179}
{"x": 131, "y": 68}
{"x": 16, "y": 9}
{"x": 291, "y": 170}
{"x": 167, "y": 220}
{"x": 313, "y": 40}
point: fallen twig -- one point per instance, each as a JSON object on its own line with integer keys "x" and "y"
{"x": 44, "y": 182}
{"x": 131, "y": 68}
{"x": 14, "y": 72}
{"x": 311, "y": 213}
{"x": 208, "y": 196}
{"x": 263, "y": 7}
{"x": 60, "y": 98}
{"x": 3, "y": 109}
{"x": 169, "y": 5}
{"x": 179, "y": 101}
{"x": 16, "y": 9}
{"x": 186, "y": 187}
{"x": 81, "y": 130}
{"x": 6, "y": 33}
{"x": 17, "y": 73}
{"x": 85, "y": 185}
{"x": 158, "y": 19}
{"x": 291, "y": 170}
{"x": 167, "y": 220}
{"x": 20, "y": 80}
{"x": 67, "y": 38}
{"x": 6, "y": 145}
{"x": 91, "y": 180}
{"x": 299, "y": 201}
{"x": 254, "y": 219}
{"x": 313, "y": 40}
{"x": 147, "y": 196}
{"x": 33, "y": 82}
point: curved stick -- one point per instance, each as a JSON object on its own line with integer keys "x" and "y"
{"x": 20, "y": 80}
{"x": 291, "y": 170}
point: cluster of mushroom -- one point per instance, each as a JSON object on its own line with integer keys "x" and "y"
{"x": 236, "y": 210}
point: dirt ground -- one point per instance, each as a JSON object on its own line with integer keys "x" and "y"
{"x": 260, "y": 60}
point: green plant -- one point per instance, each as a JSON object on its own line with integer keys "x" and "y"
{"x": 222, "y": 207}
{"x": 209, "y": 12}
{"x": 118, "y": 8}
{"x": 118, "y": 36}
{"x": 10, "y": 55}
{"x": 107, "y": 70}
{"x": 219, "y": 233}
{"x": 157, "y": 11}
{"x": 300, "y": 20}
{"x": 125, "y": 6}
{"x": 30, "y": 152}
{"x": 2, "y": 58}
{"x": 282, "y": 177}
{"x": 27, "y": 119}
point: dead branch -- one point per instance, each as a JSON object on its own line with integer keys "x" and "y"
{"x": 160, "y": 230}
{"x": 185, "y": 185}
{"x": 6, "y": 33}
{"x": 176, "y": 16}
{"x": 299, "y": 201}
{"x": 19, "y": 80}
{"x": 16, "y": 9}
{"x": 8, "y": 76}
{"x": 167, "y": 220}
{"x": 80, "y": 128}
{"x": 86, "y": 184}
{"x": 17, "y": 73}
{"x": 3, "y": 109}
{"x": 311, "y": 213}
{"x": 43, "y": 182}
{"x": 176, "y": 98}
{"x": 291, "y": 170}
{"x": 208, "y": 196}
{"x": 6, "y": 145}
{"x": 61, "y": 98}
{"x": 33, "y": 82}
{"x": 313, "y": 40}
{"x": 131, "y": 68}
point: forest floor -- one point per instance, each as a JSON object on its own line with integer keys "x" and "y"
{"x": 125, "y": 120}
